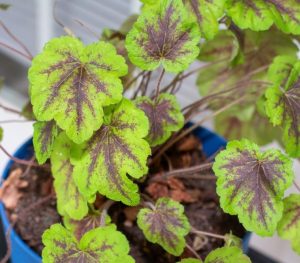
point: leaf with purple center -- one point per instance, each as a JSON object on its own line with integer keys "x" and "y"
{"x": 71, "y": 83}
{"x": 260, "y": 15}
{"x": 206, "y": 13}
{"x": 115, "y": 152}
{"x": 44, "y": 135}
{"x": 251, "y": 184}
{"x": 164, "y": 116}
{"x": 283, "y": 101}
{"x": 105, "y": 245}
{"x": 165, "y": 224}
{"x": 289, "y": 225}
{"x": 70, "y": 202}
{"x": 163, "y": 35}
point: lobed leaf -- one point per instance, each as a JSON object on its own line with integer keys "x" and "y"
{"x": 165, "y": 224}
{"x": 224, "y": 46}
{"x": 164, "y": 116}
{"x": 70, "y": 202}
{"x": 289, "y": 225}
{"x": 259, "y": 15}
{"x": 227, "y": 255}
{"x": 283, "y": 101}
{"x": 206, "y": 13}
{"x": 163, "y": 35}
{"x": 251, "y": 184}
{"x": 44, "y": 135}
{"x": 105, "y": 245}
{"x": 114, "y": 152}
{"x": 71, "y": 84}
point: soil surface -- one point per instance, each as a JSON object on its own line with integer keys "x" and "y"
{"x": 30, "y": 202}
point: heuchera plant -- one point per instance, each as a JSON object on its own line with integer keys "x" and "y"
{"x": 100, "y": 141}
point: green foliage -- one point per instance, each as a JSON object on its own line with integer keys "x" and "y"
{"x": 233, "y": 241}
{"x": 206, "y": 13}
{"x": 165, "y": 224}
{"x": 114, "y": 152}
{"x": 1, "y": 133}
{"x": 260, "y": 15}
{"x": 190, "y": 260}
{"x": 4, "y": 7}
{"x": 224, "y": 46}
{"x": 105, "y": 245}
{"x": 44, "y": 135}
{"x": 163, "y": 35}
{"x": 251, "y": 184}
{"x": 283, "y": 100}
{"x": 227, "y": 255}
{"x": 289, "y": 225}
{"x": 164, "y": 116}
{"x": 27, "y": 111}
{"x": 70, "y": 202}
{"x": 71, "y": 84}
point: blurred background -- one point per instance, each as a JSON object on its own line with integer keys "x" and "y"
{"x": 34, "y": 22}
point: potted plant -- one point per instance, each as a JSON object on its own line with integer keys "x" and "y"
{"x": 128, "y": 175}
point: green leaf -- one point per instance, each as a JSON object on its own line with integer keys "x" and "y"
{"x": 105, "y": 245}
{"x": 163, "y": 35}
{"x": 70, "y": 201}
{"x": 71, "y": 83}
{"x": 165, "y": 224}
{"x": 259, "y": 15}
{"x": 4, "y": 7}
{"x": 79, "y": 227}
{"x": 289, "y": 225}
{"x": 251, "y": 184}
{"x": 233, "y": 241}
{"x": 206, "y": 13}
{"x": 190, "y": 260}
{"x": 27, "y": 111}
{"x": 227, "y": 255}
{"x": 1, "y": 134}
{"x": 164, "y": 116}
{"x": 44, "y": 135}
{"x": 283, "y": 101}
{"x": 224, "y": 46}
{"x": 114, "y": 152}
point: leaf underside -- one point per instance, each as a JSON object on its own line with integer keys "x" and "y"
{"x": 44, "y": 136}
{"x": 71, "y": 83}
{"x": 166, "y": 225}
{"x": 259, "y": 15}
{"x": 283, "y": 101}
{"x": 104, "y": 244}
{"x": 163, "y": 35}
{"x": 251, "y": 184}
{"x": 114, "y": 152}
{"x": 70, "y": 202}
{"x": 289, "y": 225}
{"x": 164, "y": 116}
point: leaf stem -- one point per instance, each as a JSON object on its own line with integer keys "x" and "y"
{"x": 129, "y": 83}
{"x": 104, "y": 212}
{"x": 199, "y": 232}
{"x": 10, "y": 109}
{"x": 182, "y": 173}
{"x": 16, "y": 51}
{"x": 17, "y": 160}
{"x": 193, "y": 251}
{"x": 158, "y": 84}
{"x": 296, "y": 185}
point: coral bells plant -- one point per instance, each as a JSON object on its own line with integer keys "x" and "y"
{"x": 106, "y": 121}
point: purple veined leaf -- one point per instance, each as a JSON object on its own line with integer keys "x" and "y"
{"x": 283, "y": 101}
{"x": 115, "y": 152}
{"x": 289, "y": 225}
{"x": 71, "y": 83}
{"x": 251, "y": 184}
{"x": 102, "y": 244}
{"x": 164, "y": 116}
{"x": 163, "y": 35}
{"x": 165, "y": 224}
{"x": 70, "y": 202}
{"x": 44, "y": 135}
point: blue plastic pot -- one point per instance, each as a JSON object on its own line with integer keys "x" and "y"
{"x": 22, "y": 253}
